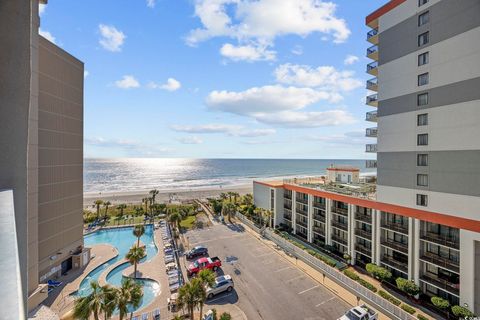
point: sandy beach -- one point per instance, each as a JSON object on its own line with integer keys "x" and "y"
{"x": 133, "y": 197}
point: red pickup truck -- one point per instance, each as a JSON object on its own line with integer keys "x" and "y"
{"x": 204, "y": 263}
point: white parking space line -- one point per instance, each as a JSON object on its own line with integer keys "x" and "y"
{"x": 264, "y": 254}
{"x": 306, "y": 290}
{"x": 268, "y": 262}
{"x": 283, "y": 269}
{"x": 322, "y": 303}
{"x": 295, "y": 278}
{"x": 219, "y": 298}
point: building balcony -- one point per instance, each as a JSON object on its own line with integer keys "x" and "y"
{"x": 372, "y": 100}
{"x": 371, "y": 132}
{"x": 372, "y": 68}
{"x": 319, "y": 230}
{"x": 287, "y": 196}
{"x": 302, "y": 235}
{"x": 451, "y": 242}
{"x": 453, "y": 288}
{"x": 371, "y": 147}
{"x": 437, "y": 260}
{"x": 319, "y": 205}
{"x": 339, "y": 239}
{"x": 372, "y": 84}
{"x": 363, "y": 233}
{"x": 302, "y": 223}
{"x": 319, "y": 218}
{"x": 370, "y": 164}
{"x": 390, "y": 225}
{"x": 301, "y": 200}
{"x": 363, "y": 217}
{"x": 287, "y": 216}
{"x": 340, "y": 225}
{"x": 302, "y": 212}
{"x": 341, "y": 211}
{"x": 401, "y": 265}
{"x": 372, "y": 36}
{"x": 287, "y": 205}
{"x": 363, "y": 249}
{"x": 398, "y": 246}
{"x": 371, "y": 116}
{"x": 372, "y": 52}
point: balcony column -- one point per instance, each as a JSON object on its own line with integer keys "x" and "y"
{"x": 377, "y": 221}
{"x": 294, "y": 211}
{"x": 310, "y": 219}
{"x": 328, "y": 222}
{"x": 416, "y": 251}
{"x": 411, "y": 248}
{"x": 351, "y": 232}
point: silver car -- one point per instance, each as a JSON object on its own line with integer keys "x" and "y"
{"x": 222, "y": 284}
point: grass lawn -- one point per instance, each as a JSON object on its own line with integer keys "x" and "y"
{"x": 188, "y": 222}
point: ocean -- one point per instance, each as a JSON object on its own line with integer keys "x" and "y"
{"x": 138, "y": 174}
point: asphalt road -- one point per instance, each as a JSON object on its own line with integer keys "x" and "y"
{"x": 266, "y": 285}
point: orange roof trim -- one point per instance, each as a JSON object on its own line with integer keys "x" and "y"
{"x": 344, "y": 169}
{"x": 271, "y": 184}
{"x": 384, "y": 9}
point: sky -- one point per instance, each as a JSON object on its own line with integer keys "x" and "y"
{"x": 219, "y": 78}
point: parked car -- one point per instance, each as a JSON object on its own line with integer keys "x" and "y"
{"x": 222, "y": 284}
{"x": 204, "y": 263}
{"x": 197, "y": 251}
{"x": 362, "y": 312}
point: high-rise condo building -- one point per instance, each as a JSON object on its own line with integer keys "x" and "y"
{"x": 41, "y": 152}
{"x": 422, "y": 218}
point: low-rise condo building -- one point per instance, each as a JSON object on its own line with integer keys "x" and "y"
{"x": 421, "y": 219}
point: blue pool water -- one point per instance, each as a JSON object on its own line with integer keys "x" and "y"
{"x": 122, "y": 239}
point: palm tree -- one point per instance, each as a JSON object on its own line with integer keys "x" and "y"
{"x": 175, "y": 219}
{"x": 189, "y": 296}
{"x": 89, "y": 305}
{"x": 106, "y": 204}
{"x": 145, "y": 201}
{"x": 109, "y": 296}
{"x": 247, "y": 199}
{"x": 97, "y": 204}
{"x": 138, "y": 211}
{"x": 129, "y": 294}
{"x": 267, "y": 215}
{"x": 138, "y": 231}
{"x": 223, "y": 196}
{"x": 121, "y": 208}
{"x": 134, "y": 256}
{"x": 235, "y": 195}
{"x": 207, "y": 279}
{"x": 229, "y": 209}
{"x": 154, "y": 193}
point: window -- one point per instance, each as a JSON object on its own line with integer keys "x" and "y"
{"x": 422, "y": 160}
{"x": 422, "y": 119}
{"x": 423, "y": 39}
{"x": 423, "y": 79}
{"x": 424, "y": 18}
{"x": 422, "y": 139}
{"x": 423, "y": 59}
{"x": 422, "y": 2}
{"x": 422, "y": 200}
{"x": 422, "y": 180}
{"x": 422, "y": 99}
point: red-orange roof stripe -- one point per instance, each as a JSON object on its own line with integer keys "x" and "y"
{"x": 384, "y": 9}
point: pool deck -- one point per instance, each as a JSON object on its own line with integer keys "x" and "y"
{"x": 60, "y": 300}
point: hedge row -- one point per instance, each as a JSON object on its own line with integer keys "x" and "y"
{"x": 389, "y": 297}
{"x": 352, "y": 275}
{"x": 408, "y": 309}
{"x": 421, "y": 317}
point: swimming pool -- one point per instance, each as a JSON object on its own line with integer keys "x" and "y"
{"x": 122, "y": 239}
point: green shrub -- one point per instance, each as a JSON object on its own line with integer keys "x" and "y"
{"x": 407, "y": 286}
{"x": 352, "y": 275}
{"x": 408, "y": 309}
{"x": 378, "y": 272}
{"x": 461, "y": 312}
{"x": 440, "y": 303}
{"x": 367, "y": 285}
{"x": 421, "y": 317}
{"x": 389, "y": 297}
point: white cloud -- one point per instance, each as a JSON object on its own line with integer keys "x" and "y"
{"x": 85, "y": 74}
{"x": 230, "y": 130}
{"x": 130, "y": 147}
{"x": 325, "y": 77}
{"x": 307, "y": 119}
{"x": 350, "y": 59}
{"x": 190, "y": 140}
{"x": 47, "y": 35}
{"x": 297, "y": 50}
{"x": 111, "y": 39}
{"x": 250, "y": 52}
{"x": 151, "y": 3}
{"x": 259, "y": 22}
{"x": 171, "y": 85}
{"x": 127, "y": 82}
{"x": 41, "y": 8}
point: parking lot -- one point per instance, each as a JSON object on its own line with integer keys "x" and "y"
{"x": 266, "y": 285}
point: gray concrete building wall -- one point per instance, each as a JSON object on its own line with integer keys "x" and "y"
{"x": 60, "y": 182}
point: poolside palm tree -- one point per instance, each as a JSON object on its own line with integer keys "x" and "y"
{"x": 190, "y": 295}
{"x": 109, "y": 296}
{"x": 154, "y": 193}
{"x": 129, "y": 294}
{"x": 138, "y": 231}
{"x": 138, "y": 211}
{"x": 134, "y": 256}
{"x": 89, "y": 305}
{"x": 229, "y": 209}
{"x": 207, "y": 279}
{"x": 175, "y": 219}
{"x": 106, "y": 204}
{"x": 97, "y": 204}
{"x": 121, "y": 208}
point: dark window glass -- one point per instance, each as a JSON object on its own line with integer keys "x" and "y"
{"x": 423, "y": 58}
{"x": 423, "y": 79}
{"x": 422, "y": 139}
{"x": 422, "y": 119}
{"x": 422, "y": 200}
{"x": 423, "y": 39}
{"x": 422, "y": 99}
{"x": 424, "y": 18}
{"x": 422, "y": 160}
